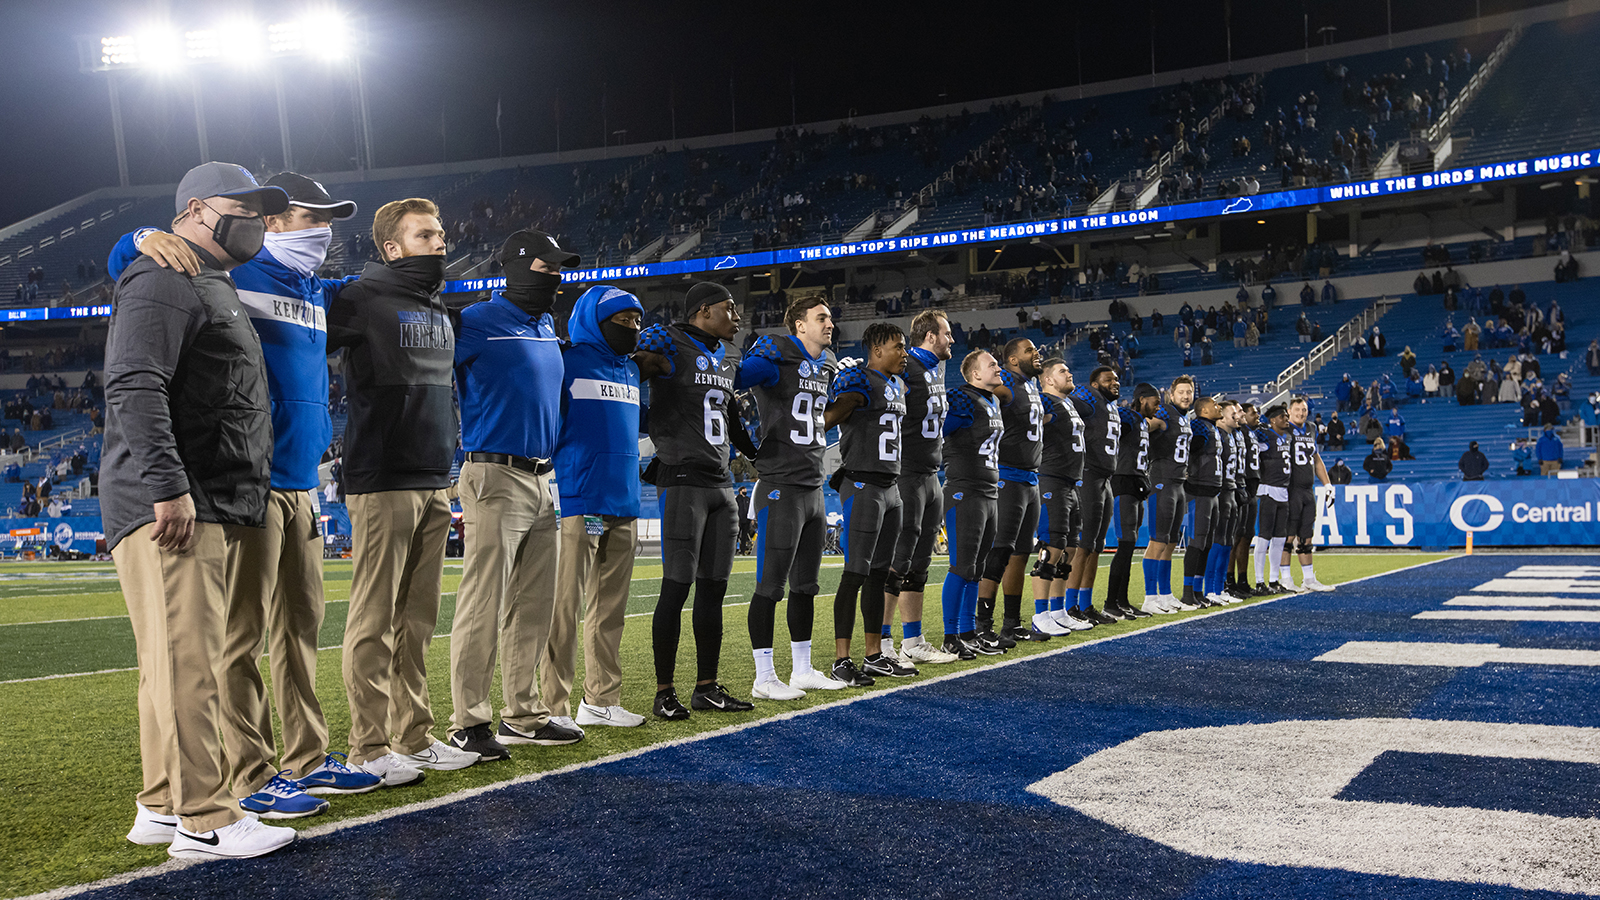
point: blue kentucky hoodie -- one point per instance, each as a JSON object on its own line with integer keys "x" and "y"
{"x": 597, "y": 457}
{"x": 289, "y": 311}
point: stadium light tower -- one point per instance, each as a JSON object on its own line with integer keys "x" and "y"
{"x": 326, "y": 35}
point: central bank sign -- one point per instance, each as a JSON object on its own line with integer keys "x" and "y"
{"x": 1514, "y": 512}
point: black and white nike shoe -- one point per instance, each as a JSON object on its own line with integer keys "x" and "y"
{"x": 845, "y": 670}
{"x": 988, "y": 644}
{"x": 715, "y": 697}
{"x": 1130, "y": 612}
{"x": 1018, "y": 633}
{"x": 960, "y": 648}
{"x": 667, "y": 706}
{"x": 884, "y": 665}
{"x": 1099, "y": 617}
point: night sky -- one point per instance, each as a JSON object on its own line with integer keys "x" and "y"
{"x": 435, "y": 71}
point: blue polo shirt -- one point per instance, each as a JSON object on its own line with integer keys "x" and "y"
{"x": 508, "y": 376}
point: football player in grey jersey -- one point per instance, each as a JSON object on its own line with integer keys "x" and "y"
{"x": 870, "y": 401}
{"x": 1239, "y": 567}
{"x": 921, "y": 496}
{"x": 1018, "y": 503}
{"x": 790, "y": 376}
{"x": 691, "y": 422}
{"x": 1306, "y": 461}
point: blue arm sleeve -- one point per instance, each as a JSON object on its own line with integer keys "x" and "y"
{"x": 656, "y": 339}
{"x": 960, "y": 414}
{"x": 124, "y": 253}
{"x": 760, "y": 366}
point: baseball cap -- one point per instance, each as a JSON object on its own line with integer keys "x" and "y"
{"x": 311, "y": 194}
{"x": 528, "y": 245}
{"x": 220, "y": 179}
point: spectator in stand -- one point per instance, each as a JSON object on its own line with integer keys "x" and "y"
{"x": 1395, "y": 427}
{"x": 1408, "y": 361}
{"x": 1414, "y": 386}
{"x": 1377, "y": 464}
{"x": 1377, "y": 342}
{"x": 1549, "y": 451}
{"x": 1330, "y": 294}
{"x": 1522, "y": 455}
{"x": 1592, "y": 358}
{"x": 1302, "y": 327}
{"x": 1399, "y": 449}
{"x": 1430, "y": 382}
{"x": 1335, "y": 432}
{"x": 1339, "y": 473}
{"x": 1549, "y": 409}
{"x": 1252, "y": 336}
{"x": 1450, "y": 338}
{"x": 1470, "y": 334}
{"x": 1308, "y": 295}
{"x": 1341, "y": 392}
{"x": 1387, "y": 392}
{"x": 1473, "y": 463}
{"x": 1240, "y": 332}
{"x": 1269, "y": 295}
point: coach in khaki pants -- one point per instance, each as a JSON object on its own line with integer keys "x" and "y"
{"x": 508, "y": 369}
{"x": 399, "y": 443}
{"x": 185, "y": 472}
{"x": 598, "y": 464}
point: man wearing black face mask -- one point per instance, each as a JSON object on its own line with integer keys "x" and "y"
{"x": 400, "y": 440}
{"x": 509, "y": 371}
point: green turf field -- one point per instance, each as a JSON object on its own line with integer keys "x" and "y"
{"x": 69, "y": 762}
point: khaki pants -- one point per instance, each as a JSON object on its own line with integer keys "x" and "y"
{"x": 178, "y": 605}
{"x": 397, "y": 550}
{"x": 595, "y": 575}
{"x": 1549, "y": 466}
{"x": 277, "y": 598}
{"x": 507, "y": 594}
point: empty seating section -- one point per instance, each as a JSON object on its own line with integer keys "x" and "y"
{"x": 1542, "y": 100}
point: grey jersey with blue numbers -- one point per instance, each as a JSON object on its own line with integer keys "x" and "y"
{"x": 972, "y": 453}
{"x": 1020, "y": 448}
{"x": 922, "y": 438}
{"x": 691, "y": 408}
{"x": 793, "y": 434}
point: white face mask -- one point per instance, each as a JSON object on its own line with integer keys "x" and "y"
{"x": 303, "y": 251}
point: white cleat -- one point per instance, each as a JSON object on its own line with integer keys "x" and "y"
{"x": 1071, "y": 623}
{"x": 151, "y": 827}
{"x": 776, "y": 690}
{"x": 918, "y": 650}
{"x": 1047, "y": 624}
{"x": 1312, "y": 584}
{"x": 1153, "y": 604}
{"x": 1219, "y": 599}
{"x": 1289, "y": 585}
{"x": 244, "y": 838}
{"x": 812, "y": 680}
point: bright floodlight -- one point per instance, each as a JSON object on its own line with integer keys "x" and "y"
{"x": 161, "y": 50}
{"x": 325, "y": 35}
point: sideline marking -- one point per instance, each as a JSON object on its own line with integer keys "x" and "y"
{"x": 1513, "y": 615}
{"x": 468, "y": 793}
{"x": 1540, "y": 586}
{"x": 1407, "y": 653}
{"x": 1521, "y": 601}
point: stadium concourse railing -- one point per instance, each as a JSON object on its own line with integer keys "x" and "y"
{"x": 1278, "y": 389}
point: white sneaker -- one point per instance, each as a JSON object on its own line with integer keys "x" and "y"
{"x": 244, "y": 838}
{"x": 394, "y": 770}
{"x": 1171, "y": 605}
{"x": 152, "y": 828}
{"x": 568, "y": 722}
{"x": 1047, "y": 624}
{"x": 1219, "y": 599}
{"x": 607, "y": 715}
{"x": 1289, "y": 585}
{"x": 1070, "y": 623}
{"x": 918, "y": 650}
{"x": 1153, "y": 604}
{"x": 1312, "y": 584}
{"x": 440, "y": 756}
{"x": 776, "y": 690}
{"x": 812, "y": 680}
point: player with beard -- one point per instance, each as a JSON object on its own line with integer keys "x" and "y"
{"x": 1169, "y": 467}
{"x": 868, "y": 400}
{"x": 1018, "y": 502}
{"x": 790, "y": 376}
{"x": 692, "y": 421}
{"x": 1207, "y": 460}
{"x": 1306, "y": 462}
{"x": 1095, "y": 403}
{"x": 1060, "y": 468}
{"x": 1239, "y": 579}
{"x": 1274, "y": 449}
{"x": 972, "y": 432}
{"x": 921, "y": 497}
{"x": 1129, "y": 488}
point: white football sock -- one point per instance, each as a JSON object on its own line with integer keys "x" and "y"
{"x": 1274, "y": 556}
{"x": 801, "y": 651}
{"x": 764, "y": 670}
{"x": 1307, "y": 573}
{"x": 1258, "y": 549}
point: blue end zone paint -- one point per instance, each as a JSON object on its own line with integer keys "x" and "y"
{"x": 927, "y": 786}
{"x": 1542, "y": 786}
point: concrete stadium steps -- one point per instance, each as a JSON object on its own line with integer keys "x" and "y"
{"x": 60, "y": 259}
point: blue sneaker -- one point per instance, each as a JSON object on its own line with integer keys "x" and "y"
{"x": 336, "y": 776}
{"x": 282, "y": 799}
